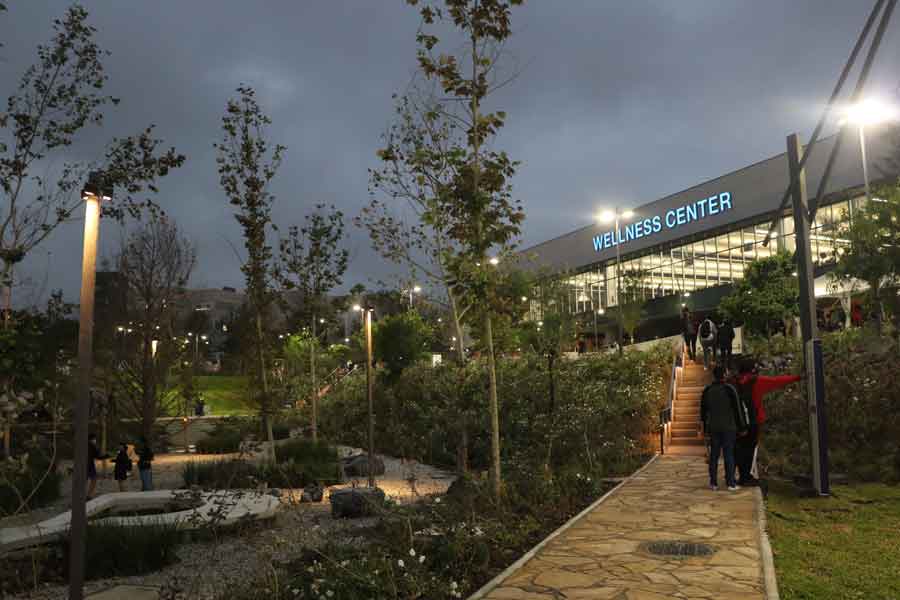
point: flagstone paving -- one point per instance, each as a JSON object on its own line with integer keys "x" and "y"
{"x": 603, "y": 555}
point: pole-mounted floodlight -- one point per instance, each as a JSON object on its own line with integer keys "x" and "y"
{"x": 613, "y": 216}
{"x": 96, "y": 189}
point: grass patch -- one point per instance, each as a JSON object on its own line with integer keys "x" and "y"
{"x": 224, "y": 394}
{"x": 845, "y": 546}
{"x": 117, "y": 550}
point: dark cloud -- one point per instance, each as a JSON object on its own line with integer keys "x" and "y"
{"x": 616, "y": 102}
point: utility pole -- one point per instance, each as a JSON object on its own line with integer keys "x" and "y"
{"x": 812, "y": 345}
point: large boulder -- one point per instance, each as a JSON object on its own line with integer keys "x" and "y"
{"x": 358, "y": 465}
{"x": 351, "y": 503}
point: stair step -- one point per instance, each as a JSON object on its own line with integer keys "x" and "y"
{"x": 687, "y": 442}
{"x": 688, "y": 433}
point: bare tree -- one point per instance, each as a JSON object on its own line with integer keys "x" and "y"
{"x": 155, "y": 262}
{"x": 55, "y": 99}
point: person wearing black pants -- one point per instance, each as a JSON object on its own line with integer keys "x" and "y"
{"x": 689, "y": 331}
{"x": 725, "y": 339}
{"x": 723, "y": 416}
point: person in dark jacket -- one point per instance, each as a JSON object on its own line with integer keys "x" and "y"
{"x": 689, "y": 331}
{"x": 122, "y": 466}
{"x": 725, "y": 339}
{"x": 93, "y": 456}
{"x": 145, "y": 460}
{"x": 723, "y": 417}
{"x": 752, "y": 387}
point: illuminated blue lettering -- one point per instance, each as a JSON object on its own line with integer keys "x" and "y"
{"x": 713, "y": 206}
{"x": 607, "y": 239}
{"x": 639, "y": 229}
{"x": 670, "y": 219}
{"x": 657, "y": 224}
{"x": 691, "y": 212}
{"x": 598, "y": 243}
{"x": 725, "y": 201}
{"x": 701, "y": 204}
{"x": 679, "y": 215}
{"x": 629, "y": 232}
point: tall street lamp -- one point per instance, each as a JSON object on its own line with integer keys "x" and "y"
{"x": 612, "y": 216}
{"x": 367, "y": 323}
{"x": 413, "y": 289}
{"x": 862, "y": 114}
{"x": 93, "y": 192}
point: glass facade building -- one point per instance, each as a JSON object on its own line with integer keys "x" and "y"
{"x": 678, "y": 251}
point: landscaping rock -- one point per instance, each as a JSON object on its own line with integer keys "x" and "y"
{"x": 358, "y": 466}
{"x": 352, "y": 503}
{"x": 312, "y": 493}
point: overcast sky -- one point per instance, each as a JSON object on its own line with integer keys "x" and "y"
{"x": 620, "y": 102}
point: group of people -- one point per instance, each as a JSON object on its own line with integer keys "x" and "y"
{"x": 732, "y": 415}
{"x": 122, "y": 465}
{"x": 715, "y": 339}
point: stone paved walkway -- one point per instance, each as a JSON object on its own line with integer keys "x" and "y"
{"x": 603, "y": 554}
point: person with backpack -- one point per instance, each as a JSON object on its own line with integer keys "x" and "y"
{"x": 752, "y": 387}
{"x": 145, "y": 460}
{"x": 722, "y": 416}
{"x": 708, "y": 341}
{"x": 689, "y": 331}
{"x": 725, "y": 339}
{"x": 122, "y": 466}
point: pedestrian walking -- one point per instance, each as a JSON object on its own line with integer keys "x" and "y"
{"x": 122, "y": 466}
{"x": 689, "y": 331}
{"x": 93, "y": 456}
{"x": 752, "y": 388}
{"x": 725, "y": 339}
{"x": 145, "y": 460}
{"x": 723, "y": 418}
{"x": 708, "y": 341}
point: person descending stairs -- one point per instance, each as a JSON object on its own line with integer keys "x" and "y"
{"x": 686, "y": 436}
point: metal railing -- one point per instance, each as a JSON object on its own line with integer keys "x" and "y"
{"x": 666, "y": 415}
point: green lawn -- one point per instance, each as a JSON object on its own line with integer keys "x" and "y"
{"x": 224, "y": 395}
{"x": 845, "y": 546}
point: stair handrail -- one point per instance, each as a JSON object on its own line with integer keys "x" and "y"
{"x": 666, "y": 415}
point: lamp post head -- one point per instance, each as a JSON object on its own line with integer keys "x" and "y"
{"x": 494, "y": 261}
{"x": 357, "y": 307}
{"x": 607, "y": 216}
{"x": 870, "y": 111}
{"x": 96, "y": 187}
{"x": 416, "y": 289}
{"x": 628, "y": 214}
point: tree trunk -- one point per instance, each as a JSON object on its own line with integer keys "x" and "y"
{"x": 266, "y": 406}
{"x": 494, "y": 407}
{"x": 457, "y": 327}
{"x": 551, "y": 374}
{"x": 148, "y": 390}
{"x": 315, "y": 387}
{"x": 6, "y": 283}
{"x": 463, "y": 450}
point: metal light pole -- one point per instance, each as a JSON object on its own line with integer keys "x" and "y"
{"x": 613, "y": 216}
{"x": 369, "y": 394}
{"x": 92, "y": 193}
{"x": 818, "y": 424}
{"x": 867, "y": 112}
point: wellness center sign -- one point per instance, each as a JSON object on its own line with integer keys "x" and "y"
{"x": 672, "y": 219}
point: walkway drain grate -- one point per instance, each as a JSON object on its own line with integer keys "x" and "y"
{"x": 677, "y": 548}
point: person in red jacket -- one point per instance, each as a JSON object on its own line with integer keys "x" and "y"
{"x": 752, "y": 387}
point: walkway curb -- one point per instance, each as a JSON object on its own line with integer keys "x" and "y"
{"x": 765, "y": 549}
{"x": 501, "y": 577}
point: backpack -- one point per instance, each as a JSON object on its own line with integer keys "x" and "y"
{"x": 745, "y": 393}
{"x": 705, "y": 329}
{"x": 745, "y": 411}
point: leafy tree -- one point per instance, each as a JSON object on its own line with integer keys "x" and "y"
{"x": 419, "y": 164}
{"x": 768, "y": 293}
{"x": 55, "y": 99}
{"x": 155, "y": 263}
{"x": 483, "y": 219}
{"x": 313, "y": 263}
{"x": 631, "y": 302}
{"x": 247, "y": 163}
{"x": 873, "y": 254}
{"x": 401, "y": 340}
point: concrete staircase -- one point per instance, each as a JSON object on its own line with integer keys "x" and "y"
{"x": 686, "y": 437}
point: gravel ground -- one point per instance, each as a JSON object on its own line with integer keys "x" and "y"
{"x": 212, "y": 569}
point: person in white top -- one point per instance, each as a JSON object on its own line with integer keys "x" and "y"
{"x": 707, "y": 335}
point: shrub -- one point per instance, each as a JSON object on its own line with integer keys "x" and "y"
{"x": 117, "y": 550}
{"x": 861, "y": 371}
{"x": 242, "y": 474}
{"x": 220, "y": 474}
{"x": 36, "y": 481}
{"x": 225, "y": 437}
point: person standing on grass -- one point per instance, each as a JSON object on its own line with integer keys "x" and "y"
{"x": 752, "y": 388}
{"x": 708, "y": 341}
{"x": 145, "y": 460}
{"x": 122, "y": 466}
{"x": 93, "y": 456}
{"x": 689, "y": 331}
{"x": 723, "y": 417}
